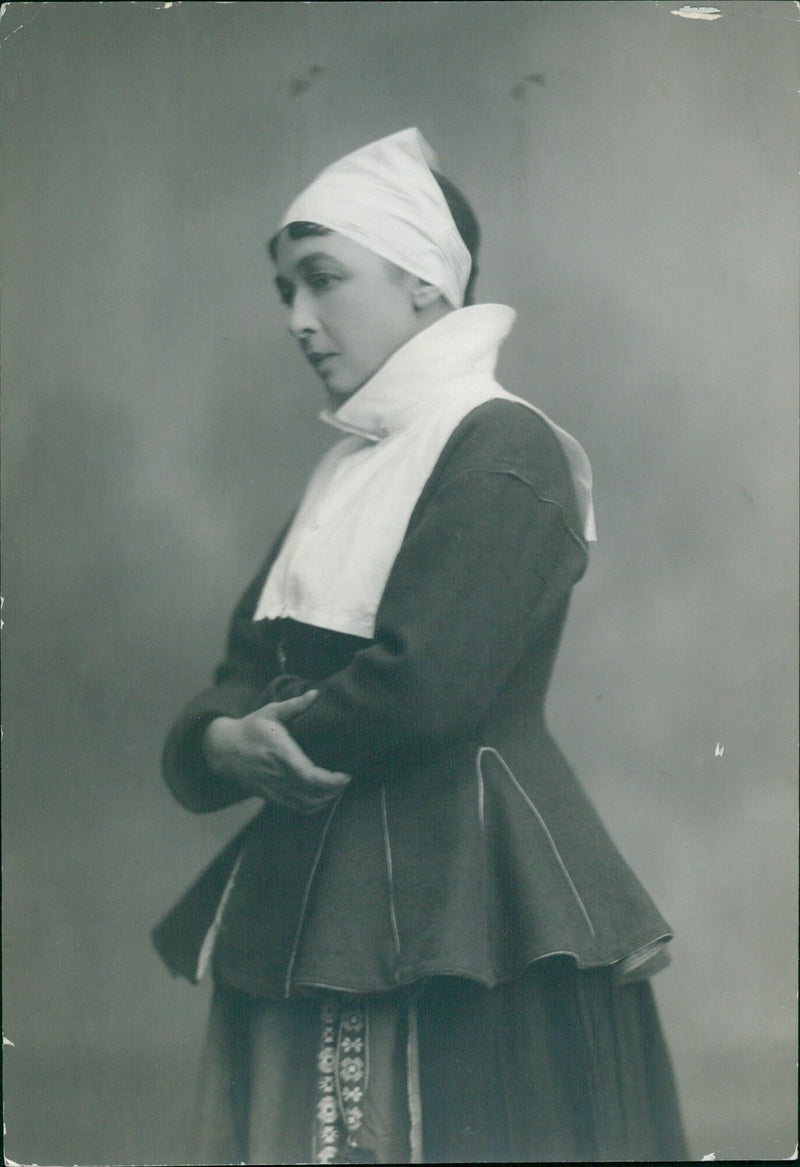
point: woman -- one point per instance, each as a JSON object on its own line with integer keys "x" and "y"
{"x": 425, "y": 946}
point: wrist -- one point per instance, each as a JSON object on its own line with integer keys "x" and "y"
{"x": 215, "y": 742}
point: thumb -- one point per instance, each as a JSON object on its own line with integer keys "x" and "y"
{"x": 286, "y": 710}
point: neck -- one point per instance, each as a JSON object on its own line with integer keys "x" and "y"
{"x": 433, "y": 312}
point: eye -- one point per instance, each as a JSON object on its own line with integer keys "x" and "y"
{"x": 322, "y": 281}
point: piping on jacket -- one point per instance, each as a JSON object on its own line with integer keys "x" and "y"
{"x": 576, "y": 895}
{"x": 387, "y": 846}
{"x": 626, "y": 968}
{"x": 510, "y": 472}
{"x": 210, "y": 938}
{"x": 290, "y": 967}
{"x": 573, "y": 534}
{"x": 481, "y": 791}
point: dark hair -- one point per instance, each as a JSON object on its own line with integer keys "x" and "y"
{"x": 463, "y": 216}
{"x": 468, "y": 228}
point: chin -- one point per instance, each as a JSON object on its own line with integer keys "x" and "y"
{"x": 337, "y": 397}
{"x": 339, "y": 393}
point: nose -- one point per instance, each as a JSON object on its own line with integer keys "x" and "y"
{"x": 302, "y": 314}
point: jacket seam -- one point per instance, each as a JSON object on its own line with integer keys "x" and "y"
{"x": 529, "y": 802}
{"x": 481, "y": 791}
{"x": 508, "y": 472}
{"x": 387, "y": 847}
{"x": 306, "y": 895}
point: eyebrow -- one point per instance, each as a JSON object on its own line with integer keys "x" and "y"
{"x": 302, "y": 267}
{"x": 308, "y": 261}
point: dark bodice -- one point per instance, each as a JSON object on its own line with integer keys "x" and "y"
{"x": 464, "y": 844}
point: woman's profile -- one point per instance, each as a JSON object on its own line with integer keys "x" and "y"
{"x": 425, "y": 946}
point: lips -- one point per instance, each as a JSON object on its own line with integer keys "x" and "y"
{"x": 318, "y": 358}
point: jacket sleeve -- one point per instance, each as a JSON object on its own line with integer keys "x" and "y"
{"x": 489, "y": 554}
{"x": 238, "y": 688}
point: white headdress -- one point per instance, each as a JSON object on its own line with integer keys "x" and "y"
{"x": 385, "y": 197}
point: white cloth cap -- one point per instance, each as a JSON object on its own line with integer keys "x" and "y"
{"x": 385, "y": 197}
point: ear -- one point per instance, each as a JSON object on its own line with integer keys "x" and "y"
{"x": 424, "y": 295}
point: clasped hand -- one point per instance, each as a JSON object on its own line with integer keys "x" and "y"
{"x": 260, "y": 755}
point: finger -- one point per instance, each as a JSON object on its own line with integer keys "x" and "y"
{"x": 281, "y": 756}
{"x": 329, "y": 779}
{"x": 275, "y": 788}
{"x": 311, "y": 784}
{"x": 273, "y": 784}
{"x": 284, "y": 749}
{"x": 289, "y": 802}
{"x": 292, "y": 706}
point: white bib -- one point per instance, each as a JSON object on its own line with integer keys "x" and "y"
{"x": 337, "y": 555}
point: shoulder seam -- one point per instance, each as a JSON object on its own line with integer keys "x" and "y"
{"x": 508, "y": 472}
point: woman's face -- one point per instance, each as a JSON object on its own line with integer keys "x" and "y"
{"x": 349, "y": 309}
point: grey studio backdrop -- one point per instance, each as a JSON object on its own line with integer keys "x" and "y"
{"x": 633, "y": 169}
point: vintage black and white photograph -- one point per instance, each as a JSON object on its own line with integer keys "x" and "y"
{"x": 399, "y": 608}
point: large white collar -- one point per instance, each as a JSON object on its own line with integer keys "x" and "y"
{"x": 426, "y": 373}
{"x": 337, "y": 555}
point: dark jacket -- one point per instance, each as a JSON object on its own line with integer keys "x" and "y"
{"x": 464, "y": 844}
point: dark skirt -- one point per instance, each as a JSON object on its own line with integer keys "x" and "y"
{"x": 559, "y": 1064}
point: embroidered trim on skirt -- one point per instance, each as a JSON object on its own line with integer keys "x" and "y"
{"x": 559, "y": 1064}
